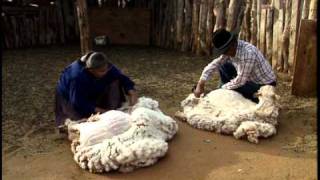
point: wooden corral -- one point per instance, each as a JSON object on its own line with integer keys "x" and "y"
{"x": 183, "y": 25}
{"x": 38, "y": 22}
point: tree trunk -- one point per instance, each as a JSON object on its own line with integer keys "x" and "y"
{"x": 83, "y": 26}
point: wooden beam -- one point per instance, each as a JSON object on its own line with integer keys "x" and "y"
{"x": 82, "y": 13}
{"x": 305, "y": 69}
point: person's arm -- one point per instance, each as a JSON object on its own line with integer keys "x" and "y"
{"x": 244, "y": 73}
{"x": 128, "y": 86}
{"x": 207, "y": 74}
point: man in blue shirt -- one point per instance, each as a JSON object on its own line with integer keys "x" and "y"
{"x": 91, "y": 85}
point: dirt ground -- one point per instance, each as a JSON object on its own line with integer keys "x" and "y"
{"x": 32, "y": 151}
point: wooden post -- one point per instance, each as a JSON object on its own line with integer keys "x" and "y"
{"x": 258, "y": 21}
{"x": 246, "y": 21}
{"x": 262, "y": 31}
{"x": 285, "y": 39}
{"x": 294, "y": 26}
{"x": 220, "y": 14}
{"x": 187, "y": 28}
{"x": 202, "y": 26}
{"x": 305, "y": 69}
{"x": 209, "y": 27}
{"x": 313, "y": 9}
{"x": 254, "y": 23}
{"x": 277, "y": 30}
{"x": 195, "y": 25}
{"x": 234, "y": 11}
{"x": 269, "y": 35}
{"x": 83, "y": 26}
{"x": 179, "y": 21}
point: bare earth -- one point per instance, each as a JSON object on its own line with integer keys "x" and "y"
{"x": 32, "y": 151}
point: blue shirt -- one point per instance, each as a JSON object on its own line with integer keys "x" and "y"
{"x": 81, "y": 89}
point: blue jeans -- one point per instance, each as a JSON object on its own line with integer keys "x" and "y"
{"x": 228, "y": 72}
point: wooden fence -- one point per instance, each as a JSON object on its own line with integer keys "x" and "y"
{"x": 26, "y": 26}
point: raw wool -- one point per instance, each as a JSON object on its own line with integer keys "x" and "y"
{"x": 131, "y": 141}
{"x": 228, "y": 112}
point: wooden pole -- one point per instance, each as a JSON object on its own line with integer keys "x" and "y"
{"x": 284, "y": 61}
{"x": 179, "y": 21}
{"x": 202, "y": 27}
{"x": 269, "y": 35}
{"x": 220, "y": 14}
{"x": 234, "y": 11}
{"x": 246, "y": 21}
{"x": 277, "y": 30}
{"x": 195, "y": 25}
{"x": 209, "y": 23}
{"x": 253, "y": 28}
{"x": 187, "y": 28}
{"x": 262, "y": 31}
{"x": 83, "y": 26}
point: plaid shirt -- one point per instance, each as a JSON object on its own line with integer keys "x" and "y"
{"x": 249, "y": 63}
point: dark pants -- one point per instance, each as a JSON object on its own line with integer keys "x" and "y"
{"x": 111, "y": 98}
{"x": 228, "y": 72}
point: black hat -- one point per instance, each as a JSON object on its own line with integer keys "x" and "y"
{"x": 221, "y": 41}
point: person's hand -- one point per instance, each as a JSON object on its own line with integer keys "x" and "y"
{"x": 99, "y": 110}
{"x": 198, "y": 91}
{"x": 133, "y": 97}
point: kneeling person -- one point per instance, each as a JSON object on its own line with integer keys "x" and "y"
{"x": 242, "y": 67}
{"x": 91, "y": 85}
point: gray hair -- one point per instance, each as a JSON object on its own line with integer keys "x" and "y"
{"x": 94, "y": 60}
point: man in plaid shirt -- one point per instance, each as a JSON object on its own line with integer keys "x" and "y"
{"x": 241, "y": 66}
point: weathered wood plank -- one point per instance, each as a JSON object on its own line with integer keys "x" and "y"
{"x": 305, "y": 69}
